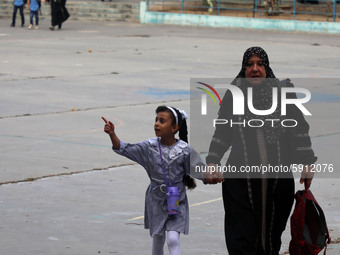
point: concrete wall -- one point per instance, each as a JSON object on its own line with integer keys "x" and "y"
{"x": 235, "y": 22}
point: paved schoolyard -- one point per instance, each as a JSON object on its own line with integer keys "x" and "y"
{"x": 63, "y": 191}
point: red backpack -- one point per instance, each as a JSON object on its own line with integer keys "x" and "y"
{"x": 308, "y": 226}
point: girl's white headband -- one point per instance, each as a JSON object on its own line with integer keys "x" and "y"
{"x": 183, "y": 113}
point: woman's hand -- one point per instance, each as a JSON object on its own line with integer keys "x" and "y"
{"x": 213, "y": 176}
{"x": 307, "y": 176}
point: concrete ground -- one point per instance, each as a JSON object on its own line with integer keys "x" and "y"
{"x": 63, "y": 191}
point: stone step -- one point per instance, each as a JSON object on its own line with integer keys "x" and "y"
{"x": 83, "y": 10}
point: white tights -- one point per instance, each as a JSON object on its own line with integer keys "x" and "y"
{"x": 172, "y": 242}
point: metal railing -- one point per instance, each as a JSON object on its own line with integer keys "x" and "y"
{"x": 291, "y": 9}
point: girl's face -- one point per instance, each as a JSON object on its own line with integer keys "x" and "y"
{"x": 255, "y": 71}
{"x": 163, "y": 125}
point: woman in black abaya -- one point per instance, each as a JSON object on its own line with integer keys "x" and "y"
{"x": 257, "y": 206}
{"x": 59, "y": 13}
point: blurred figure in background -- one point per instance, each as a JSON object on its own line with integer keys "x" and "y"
{"x": 59, "y": 13}
{"x": 34, "y": 6}
{"x": 18, "y": 4}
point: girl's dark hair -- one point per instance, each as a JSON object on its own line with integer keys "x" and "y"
{"x": 183, "y": 135}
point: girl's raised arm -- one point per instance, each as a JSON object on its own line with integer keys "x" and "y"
{"x": 109, "y": 128}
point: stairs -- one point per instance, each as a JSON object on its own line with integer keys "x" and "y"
{"x": 82, "y": 10}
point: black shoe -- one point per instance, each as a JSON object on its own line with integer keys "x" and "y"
{"x": 12, "y": 25}
{"x": 52, "y": 28}
{"x": 22, "y": 25}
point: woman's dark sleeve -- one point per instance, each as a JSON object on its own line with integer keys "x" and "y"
{"x": 222, "y": 138}
{"x": 302, "y": 145}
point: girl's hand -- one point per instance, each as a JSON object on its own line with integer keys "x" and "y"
{"x": 109, "y": 128}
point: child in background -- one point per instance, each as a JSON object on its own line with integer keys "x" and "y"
{"x": 169, "y": 157}
{"x": 33, "y": 6}
{"x": 18, "y": 4}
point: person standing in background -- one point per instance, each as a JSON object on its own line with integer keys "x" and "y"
{"x": 18, "y": 4}
{"x": 33, "y": 6}
{"x": 59, "y": 13}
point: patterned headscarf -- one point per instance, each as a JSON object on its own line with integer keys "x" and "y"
{"x": 264, "y": 59}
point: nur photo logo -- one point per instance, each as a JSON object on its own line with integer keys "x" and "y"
{"x": 204, "y": 97}
{"x": 238, "y": 99}
{"x": 281, "y": 97}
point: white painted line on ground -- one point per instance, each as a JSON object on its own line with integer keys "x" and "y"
{"x": 193, "y": 205}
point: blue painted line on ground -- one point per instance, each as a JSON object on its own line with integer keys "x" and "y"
{"x": 54, "y": 140}
{"x": 325, "y": 97}
{"x": 157, "y": 92}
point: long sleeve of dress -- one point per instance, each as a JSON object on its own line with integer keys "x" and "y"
{"x": 222, "y": 138}
{"x": 301, "y": 142}
{"x": 194, "y": 166}
{"x": 135, "y": 152}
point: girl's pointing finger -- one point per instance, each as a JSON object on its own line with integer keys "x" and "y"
{"x": 104, "y": 120}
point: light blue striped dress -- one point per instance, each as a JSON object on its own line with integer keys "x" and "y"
{"x": 178, "y": 160}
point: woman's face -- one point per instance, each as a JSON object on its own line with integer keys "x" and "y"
{"x": 255, "y": 71}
